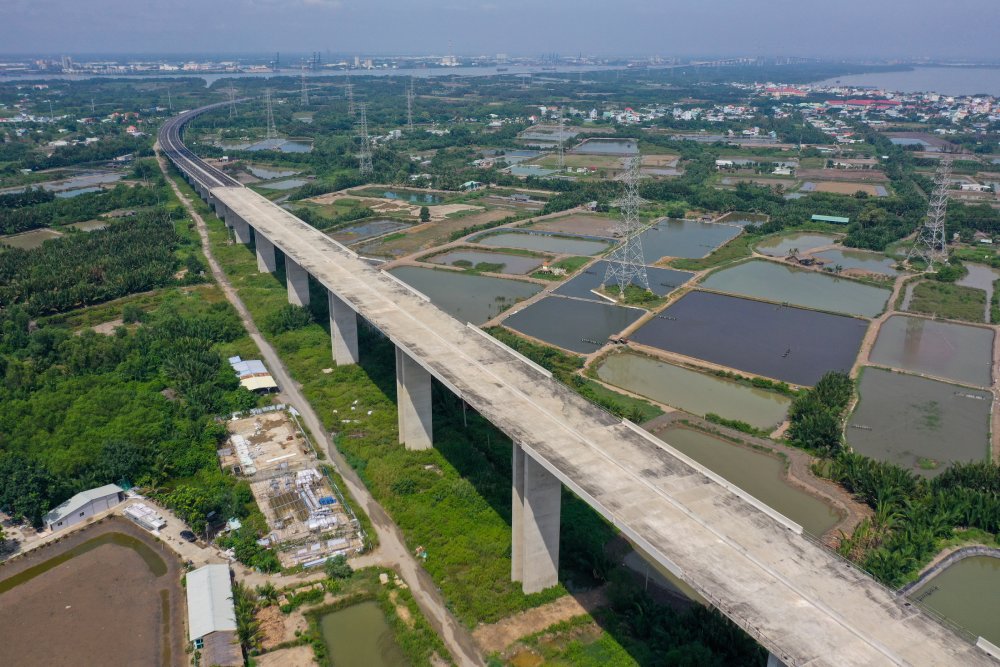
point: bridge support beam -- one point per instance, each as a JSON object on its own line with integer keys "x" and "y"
{"x": 774, "y": 661}
{"x": 413, "y": 394}
{"x": 536, "y": 501}
{"x": 298, "y": 283}
{"x": 343, "y": 331}
{"x": 266, "y": 262}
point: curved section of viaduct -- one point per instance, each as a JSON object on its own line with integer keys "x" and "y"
{"x": 801, "y": 602}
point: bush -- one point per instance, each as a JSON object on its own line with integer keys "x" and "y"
{"x": 338, "y": 568}
{"x": 288, "y": 318}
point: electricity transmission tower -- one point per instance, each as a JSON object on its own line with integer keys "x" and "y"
{"x": 626, "y": 265}
{"x": 350, "y": 96}
{"x": 232, "y": 102}
{"x": 305, "y": 91}
{"x": 272, "y": 132}
{"x": 409, "y": 106}
{"x": 930, "y": 244}
{"x": 365, "y": 156}
{"x": 562, "y": 145}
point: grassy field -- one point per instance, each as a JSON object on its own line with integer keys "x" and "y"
{"x": 947, "y": 300}
{"x": 739, "y": 248}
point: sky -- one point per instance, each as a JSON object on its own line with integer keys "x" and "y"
{"x": 853, "y": 29}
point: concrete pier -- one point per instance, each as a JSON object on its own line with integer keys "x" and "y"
{"x": 298, "y": 283}
{"x": 241, "y": 230}
{"x": 266, "y": 262}
{"x": 774, "y": 661}
{"x": 536, "y": 500}
{"x": 413, "y": 394}
{"x": 343, "y": 331}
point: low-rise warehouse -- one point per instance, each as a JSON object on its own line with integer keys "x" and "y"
{"x": 212, "y": 616}
{"x": 83, "y": 505}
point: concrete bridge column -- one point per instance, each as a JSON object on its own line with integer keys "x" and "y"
{"x": 536, "y": 500}
{"x": 266, "y": 262}
{"x": 298, "y": 283}
{"x": 343, "y": 331}
{"x": 774, "y": 661}
{"x": 241, "y": 230}
{"x": 228, "y": 217}
{"x": 413, "y": 394}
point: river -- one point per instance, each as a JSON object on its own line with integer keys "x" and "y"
{"x": 944, "y": 80}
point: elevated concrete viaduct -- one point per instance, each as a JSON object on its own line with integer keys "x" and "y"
{"x": 803, "y": 603}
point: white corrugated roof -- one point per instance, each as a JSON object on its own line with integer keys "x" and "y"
{"x": 73, "y": 505}
{"x": 210, "y": 601}
{"x": 258, "y": 382}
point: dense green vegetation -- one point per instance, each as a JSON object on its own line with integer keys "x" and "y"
{"x": 914, "y": 517}
{"x": 88, "y": 268}
{"x": 817, "y": 416}
{"x": 34, "y": 210}
{"x": 137, "y": 406}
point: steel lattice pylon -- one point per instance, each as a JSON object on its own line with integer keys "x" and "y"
{"x": 409, "y": 106}
{"x": 930, "y": 244}
{"x": 305, "y": 90}
{"x": 626, "y": 265}
{"x": 272, "y": 132}
{"x": 350, "y": 96}
{"x": 365, "y": 156}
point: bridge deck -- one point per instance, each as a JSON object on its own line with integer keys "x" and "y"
{"x": 801, "y": 602}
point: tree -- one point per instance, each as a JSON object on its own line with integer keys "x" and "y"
{"x": 338, "y": 568}
{"x": 425, "y": 214}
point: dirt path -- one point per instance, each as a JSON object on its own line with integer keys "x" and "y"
{"x": 393, "y": 548}
{"x": 500, "y": 635}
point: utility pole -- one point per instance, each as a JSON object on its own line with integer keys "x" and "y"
{"x": 409, "y": 106}
{"x": 626, "y": 264}
{"x": 930, "y": 244}
{"x": 365, "y": 156}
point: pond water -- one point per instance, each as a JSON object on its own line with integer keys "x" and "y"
{"x": 287, "y": 184}
{"x": 360, "y": 635}
{"x": 873, "y": 262}
{"x": 779, "y": 342}
{"x": 89, "y": 225}
{"x": 912, "y": 141}
{"x": 968, "y": 594}
{"x": 268, "y": 174}
{"x": 412, "y": 197}
{"x": 564, "y": 245}
{"x": 905, "y": 419}
{"x": 81, "y": 180}
{"x": 943, "y": 349}
{"x": 366, "y": 230}
{"x": 694, "y": 392}
{"x": 684, "y": 238}
{"x": 759, "y": 474}
{"x": 803, "y": 241}
{"x": 69, "y": 194}
{"x": 578, "y": 326}
{"x": 29, "y": 240}
{"x": 529, "y": 170}
{"x": 281, "y": 145}
{"x": 515, "y": 264}
{"x": 981, "y": 277}
{"x": 661, "y": 281}
{"x": 743, "y": 219}
{"x": 763, "y": 279}
{"x": 466, "y": 297}
{"x": 607, "y": 147}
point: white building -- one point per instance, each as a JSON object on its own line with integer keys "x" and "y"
{"x": 212, "y": 617}
{"x": 83, "y": 505}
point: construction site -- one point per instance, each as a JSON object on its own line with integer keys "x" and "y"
{"x": 307, "y": 517}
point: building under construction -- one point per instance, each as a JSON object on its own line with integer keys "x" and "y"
{"x": 307, "y": 517}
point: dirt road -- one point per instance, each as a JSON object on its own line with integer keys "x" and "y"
{"x": 392, "y": 546}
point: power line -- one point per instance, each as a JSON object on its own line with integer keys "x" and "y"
{"x": 930, "y": 244}
{"x": 365, "y": 156}
{"x": 626, "y": 265}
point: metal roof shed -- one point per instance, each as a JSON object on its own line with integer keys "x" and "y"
{"x": 210, "y": 601}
